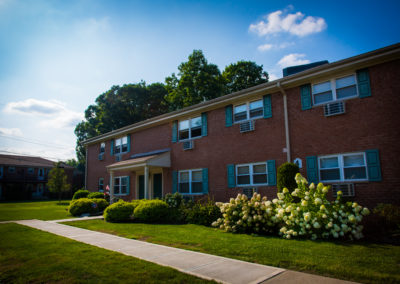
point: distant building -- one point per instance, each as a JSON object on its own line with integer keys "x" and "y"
{"x": 338, "y": 121}
{"x": 24, "y": 177}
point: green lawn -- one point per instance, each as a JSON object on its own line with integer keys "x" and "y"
{"x": 358, "y": 261}
{"x": 42, "y": 210}
{"x": 31, "y": 256}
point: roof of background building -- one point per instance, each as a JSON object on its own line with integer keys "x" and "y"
{"x": 27, "y": 161}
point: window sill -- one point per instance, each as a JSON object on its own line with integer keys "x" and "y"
{"x": 189, "y": 139}
{"x": 244, "y": 120}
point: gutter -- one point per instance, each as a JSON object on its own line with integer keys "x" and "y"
{"x": 285, "y": 113}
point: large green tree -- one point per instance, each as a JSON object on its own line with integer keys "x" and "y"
{"x": 57, "y": 182}
{"x": 242, "y": 75}
{"x": 118, "y": 107}
{"x": 197, "y": 81}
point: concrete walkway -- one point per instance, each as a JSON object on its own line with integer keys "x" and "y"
{"x": 211, "y": 267}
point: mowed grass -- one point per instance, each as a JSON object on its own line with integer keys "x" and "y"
{"x": 31, "y": 256}
{"x": 356, "y": 261}
{"x": 42, "y": 210}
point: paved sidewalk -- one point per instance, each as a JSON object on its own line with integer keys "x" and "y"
{"x": 220, "y": 269}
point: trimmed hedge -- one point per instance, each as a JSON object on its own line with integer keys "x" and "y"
{"x": 152, "y": 211}
{"x": 87, "y": 206}
{"x": 286, "y": 176}
{"x": 96, "y": 195}
{"x": 203, "y": 214}
{"x": 120, "y": 211}
{"x": 82, "y": 193}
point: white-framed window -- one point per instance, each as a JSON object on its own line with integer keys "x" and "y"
{"x": 190, "y": 128}
{"x": 335, "y": 89}
{"x": 30, "y": 171}
{"x": 101, "y": 185}
{"x": 251, "y": 174}
{"x": 102, "y": 147}
{"x": 121, "y": 145}
{"x": 190, "y": 181}
{"x": 248, "y": 110}
{"x": 343, "y": 167}
{"x": 11, "y": 170}
{"x": 121, "y": 185}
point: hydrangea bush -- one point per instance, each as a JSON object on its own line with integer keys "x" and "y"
{"x": 314, "y": 216}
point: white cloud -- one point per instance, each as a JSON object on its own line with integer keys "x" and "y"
{"x": 52, "y": 113}
{"x": 11, "y": 131}
{"x": 296, "y": 24}
{"x": 269, "y": 46}
{"x": 292, "y": 60}
{"x": 265, "y": 47}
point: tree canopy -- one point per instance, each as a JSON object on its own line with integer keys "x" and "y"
{"x": 58, "y": 180}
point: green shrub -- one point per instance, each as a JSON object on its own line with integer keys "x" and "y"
{"x": 286, "y": 176}
{"x": 120, "y": 211}
{"x": 82, "y": 193}
{"x": 203, "y": 214}
{"x": 174, "y": 200}
{"x": 96, "y": 195}
{"x": 390, "y": 215}
{"x": 87, "y": 206}
{"x": 152, "y": 211}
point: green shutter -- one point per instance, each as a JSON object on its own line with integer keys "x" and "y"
{"x": 129, "y": 142}
{"x": 174, "y": 181}
{"x": 231, "y": 176}
{"x": 364, "y": 88}
{"x": 373, "y": 164}
{"x": 312, "y": 169}
{"x": 112, "y": 147}
{"x": 128, "y": 184}
{"x": 174, "y": 131}
{"x": 267, "y": 106}
{"x": 204, "y": 124}
{"x": 305, "y": 92}
{"x": 228, "y": 116}
{"x": 205, "y": 181}
{"x": 271, "y": 169}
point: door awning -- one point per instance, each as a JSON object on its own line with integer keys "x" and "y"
{"x": 161, "y": 160}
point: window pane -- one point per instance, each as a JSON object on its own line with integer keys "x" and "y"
{"x": 346, "y": 92}
{"x": 124, "y": 140}
{"x": 355, "y": 173}
{"x": 116, "y": 181}
{"x": 117, "y": 142}
{"x": 329, "y": 162}
{"x": 124, "y": 181}
{"x": 256, "y": 104}
{"x": 241, "y": 108}
{"x": 259, "y": 178}
{"x": 353, "y": 160}
{"x": 184, "y": 187}
{"x": 197, "y": 187}
{"x": 196, "y": 132}
{"x": 240, "y": 116}
{"x": 184, "y": 177}
{"x": 330, "y": 174}
{"x": 197, "y": 176}
{"x": 243, "y": 179}
{"x": 125, "y": 148}
{"x": 256, "y": 112}
{"x": 116, "y": 189}
{"x": 322, "y": 87}
{"x": 184, "y": 124}
{"x": 259, "y": 169}
{"x": 102, "y": 147}
{"x": 196, "y": 122}
{"x": 183, "y": 134}
{"x": 117, "y": 149}
{"x": 243, "y": 170}
{"x": 345, "y": 81}
{"x": 124, "y": 189}
{"x": 322, "y": 97}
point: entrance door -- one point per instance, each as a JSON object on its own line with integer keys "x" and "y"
{"x": 157, "y": 186}
{"x": 141, "y": 187}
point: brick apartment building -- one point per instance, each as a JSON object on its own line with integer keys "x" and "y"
{"x": 338, "y": 121}
{"x": 24, "y": 177}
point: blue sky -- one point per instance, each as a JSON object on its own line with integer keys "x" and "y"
{"x": 56, "y": 57}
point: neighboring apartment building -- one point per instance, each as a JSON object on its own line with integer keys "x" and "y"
{"x": 24, "y": 177}
{"x": 338, "y": 121}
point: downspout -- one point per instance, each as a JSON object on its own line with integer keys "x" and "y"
{"x": 285, "y": 112}
{"x": 86, "y": 167}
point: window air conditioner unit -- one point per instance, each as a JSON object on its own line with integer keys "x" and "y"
{"x": 334, "y": 108}
{"x": 101, "y": 157}
{"x": 346, "y": 188}
{"x": 118, "y": 158}
{"x": 246, "y": 126}
{"x": 188, "y": 145}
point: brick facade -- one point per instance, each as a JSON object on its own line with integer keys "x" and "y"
{"x": 368, "y": 123}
